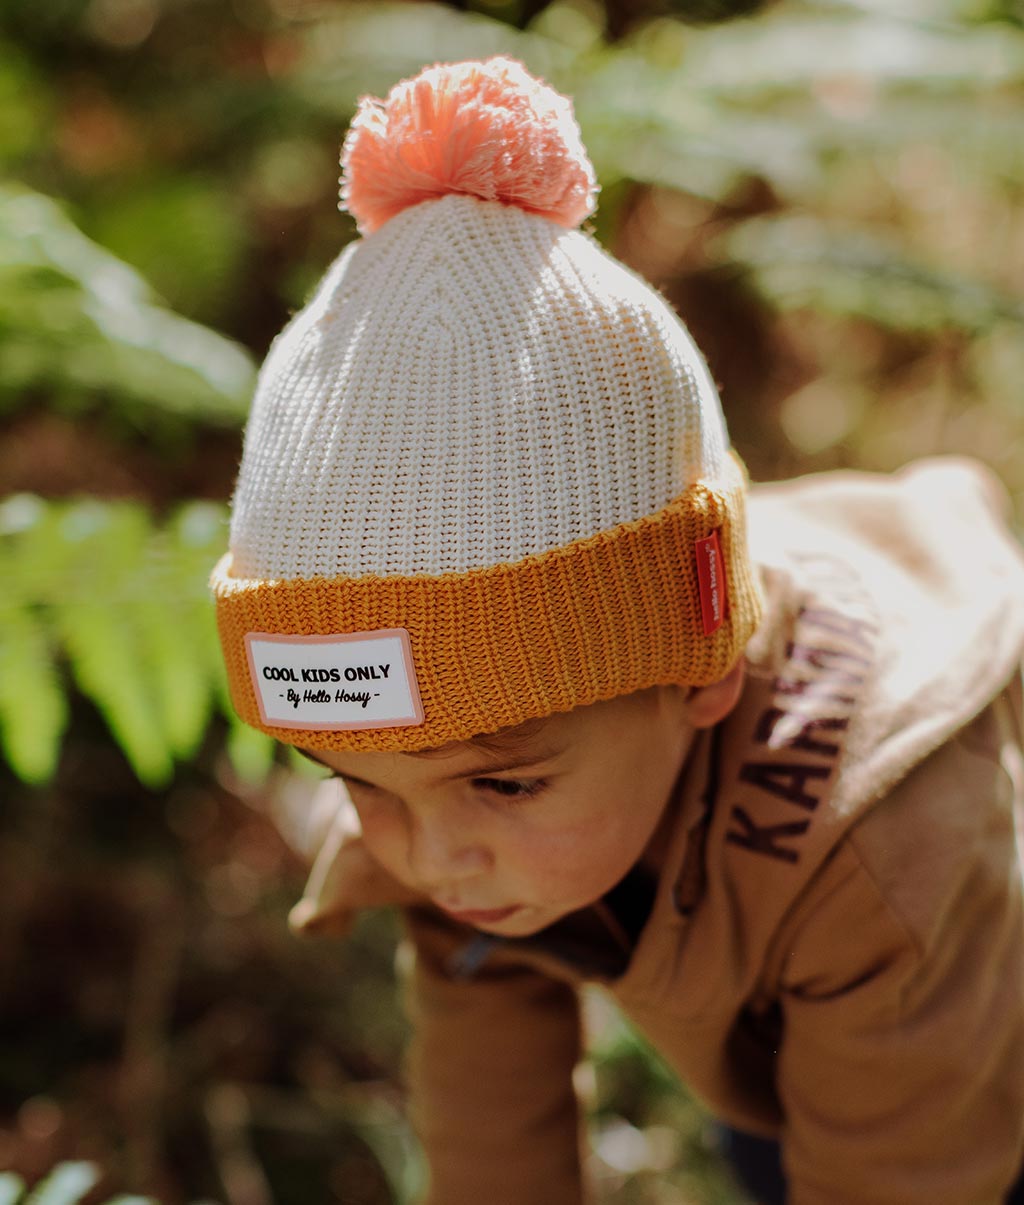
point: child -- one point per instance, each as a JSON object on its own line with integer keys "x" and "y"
{"x": 490, "y": 565}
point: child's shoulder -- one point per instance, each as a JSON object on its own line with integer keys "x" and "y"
{"x": 945, "y": 834}
{"x": 922, "y": 564}
{"x": 924, "y": 507}
{"x": 894, "y": 617}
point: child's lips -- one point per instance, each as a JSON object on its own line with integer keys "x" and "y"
{"x": 482, "y": 916}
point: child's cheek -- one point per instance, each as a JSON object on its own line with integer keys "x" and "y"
{"x": 384, "y": 836}
{"x": 572, "y": 858}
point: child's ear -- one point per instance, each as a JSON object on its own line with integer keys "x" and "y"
{"x": 710, "y": 704}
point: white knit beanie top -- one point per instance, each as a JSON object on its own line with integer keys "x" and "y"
{"x": 470, "y": 386}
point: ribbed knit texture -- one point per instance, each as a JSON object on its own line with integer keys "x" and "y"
{"x": 470, "y": 386}
{"x": 607, "y": 616}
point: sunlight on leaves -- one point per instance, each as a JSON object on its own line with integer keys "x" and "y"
{"x": 75, "y": 318}
{"x": 802, "y": 262}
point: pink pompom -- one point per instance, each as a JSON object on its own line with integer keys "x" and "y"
{"x": 487, "y": 129}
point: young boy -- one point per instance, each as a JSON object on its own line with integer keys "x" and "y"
{"x": 490, "y": 564}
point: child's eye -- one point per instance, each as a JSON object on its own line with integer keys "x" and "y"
{"x": 513, "y": 789}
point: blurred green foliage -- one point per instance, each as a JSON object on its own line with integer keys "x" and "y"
{"x": 124, "y": 604}
{"x": 67, "y": 1184}
{"x": 77, "y": 322}
{"x": 829, "y": 191}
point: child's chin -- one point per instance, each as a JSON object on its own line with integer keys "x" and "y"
{"x": 526, "y": 922}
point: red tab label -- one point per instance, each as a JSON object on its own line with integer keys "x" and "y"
{"x": 711, "y": 580}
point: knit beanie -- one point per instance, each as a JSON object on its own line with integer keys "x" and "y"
{"x": 486, "y": 476}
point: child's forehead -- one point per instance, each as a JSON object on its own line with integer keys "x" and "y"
{"x": 546, "y": 734}
{"x": 590, "y": 732}
{"x": 506, "y": 742}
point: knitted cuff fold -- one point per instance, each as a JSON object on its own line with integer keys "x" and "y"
{"x": 639, "y": 605}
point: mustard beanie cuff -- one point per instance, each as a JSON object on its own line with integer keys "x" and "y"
{"x": 318, "y": 662}
{"x": 486, "y": 476}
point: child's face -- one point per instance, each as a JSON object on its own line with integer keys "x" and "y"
{"x": 513, "y": 833}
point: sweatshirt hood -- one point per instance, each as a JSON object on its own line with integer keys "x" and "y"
{"x": 929, "y": 579}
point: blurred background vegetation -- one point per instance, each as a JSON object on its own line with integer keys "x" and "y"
{"x": 829, "y": 192}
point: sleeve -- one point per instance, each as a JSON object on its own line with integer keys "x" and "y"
{"x": 490, "y": 1075}
{"x": 901, "y": 1066}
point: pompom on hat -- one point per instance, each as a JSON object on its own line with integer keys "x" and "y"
{"x": 486, "y": 476}
{"x": 489, "y": 130}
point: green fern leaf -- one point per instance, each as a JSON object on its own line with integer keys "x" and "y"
{"x": 101, "y": 632}
{"x": 129, "y": 604}
{"x": 75, "y": 320}
{"x": 177, "y": 674}
{"x": 65, "y": 1185}
{"x": 33, "y": 711}
{"x": 250, "y": 752}
{"x": 12, "y": 1188}
{"x": 30, "y": 530}
{"x": 199, "y": 533}
{"x": 166, "y": 612}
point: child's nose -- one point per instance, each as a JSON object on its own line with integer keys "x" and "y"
{"x": 441, "y": 853}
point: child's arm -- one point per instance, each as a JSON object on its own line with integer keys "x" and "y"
{"x": 490, "y": 1076}
{"x": 901, "y": 1071}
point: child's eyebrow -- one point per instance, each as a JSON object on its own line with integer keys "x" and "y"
{"x": 493, "y": 766}
{"x": 501, "y": 766}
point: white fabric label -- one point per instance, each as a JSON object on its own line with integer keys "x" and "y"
{"x": 354, "y": 680}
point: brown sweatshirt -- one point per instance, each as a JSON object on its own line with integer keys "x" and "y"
{"x": 833, "y": 953}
